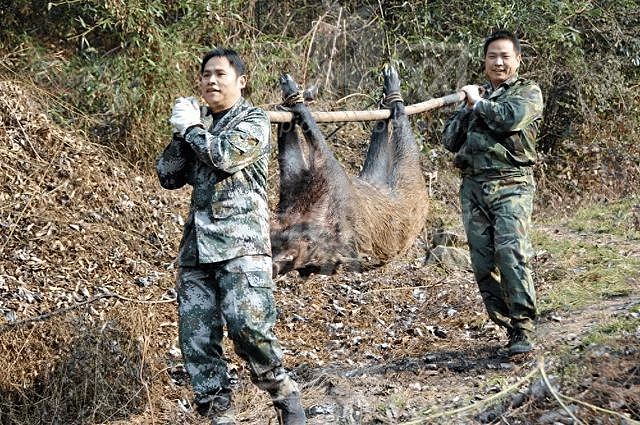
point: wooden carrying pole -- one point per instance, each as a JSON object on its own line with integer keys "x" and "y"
{"x": 374, "y": 115}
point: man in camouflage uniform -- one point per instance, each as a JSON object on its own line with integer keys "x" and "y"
{"x": 493, "y": 136}
{"x": 224, "y": 274}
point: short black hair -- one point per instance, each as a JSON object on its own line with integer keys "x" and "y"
{"x": 502, "y": 35}
{"x": 232, "y": 56}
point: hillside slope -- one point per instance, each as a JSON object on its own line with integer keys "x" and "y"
{"x": 88, "y": 327}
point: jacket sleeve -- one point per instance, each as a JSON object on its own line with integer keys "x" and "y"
{"x": 235, "y": 148}
{"x": 514, "y": 113}
{"x": 174, "y": 164}
{"x": 455, "y": 129}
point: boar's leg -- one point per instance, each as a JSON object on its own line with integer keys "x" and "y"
{"x": 294, "y": 170}
{"x": 406, "y": 171}
{"x": 313, "y": 233}
{"x": 378, "y": 162}
{"x": 321, "y": 157}
{"x": 393, "y": 153}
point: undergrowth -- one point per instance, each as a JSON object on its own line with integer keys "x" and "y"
{"x": 596, "y": 259}
{"x": 121, "y": 64}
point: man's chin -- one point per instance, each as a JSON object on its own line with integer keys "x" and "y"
{"x": 213, "y": 102}
{"x": 496, "y": 80}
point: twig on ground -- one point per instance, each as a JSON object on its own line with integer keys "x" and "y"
{"x": 478, "y": 404}
{"x": 24, "y": 133}
{"x": 554, "y": 393}
{"x": 138, "y": 391}
{"x": 145, "y": 348}
{"x": 342, "y": 99}
{"x": 600, "y": 409}
{"x": 44, "y": 175}
{"x": 402, "y": 288}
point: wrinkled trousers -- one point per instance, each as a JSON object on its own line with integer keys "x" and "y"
{"x": 497, "y": 220}
{"x": 238, "y": 293}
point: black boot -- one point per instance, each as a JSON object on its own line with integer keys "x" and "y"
{"x": 218, "y": 408}
{"x": 520, "y": 342}
{"x": 289, "y": 410}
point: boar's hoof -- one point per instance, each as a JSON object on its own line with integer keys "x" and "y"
{"x": 288, "y": 86}
{"x": 391, "y": 80}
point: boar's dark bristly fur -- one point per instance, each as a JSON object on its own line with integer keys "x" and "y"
{"x": 326, "y": 218}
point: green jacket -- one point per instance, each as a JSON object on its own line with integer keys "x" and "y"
{"x": 498, "y": 135}
{"x": 227, "y": 166}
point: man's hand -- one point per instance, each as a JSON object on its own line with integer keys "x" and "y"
{"x": 473, "y": 94}
{"x": 186, "y": 113}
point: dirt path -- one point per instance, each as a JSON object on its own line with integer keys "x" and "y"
{"x": 445, "y": 378}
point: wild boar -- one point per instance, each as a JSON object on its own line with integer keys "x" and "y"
{"x": 326, "y": 218}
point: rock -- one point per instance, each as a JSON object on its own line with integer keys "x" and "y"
{"x": 446, "y": 238}
{"x": 449, "y": 257}
{"x": 536, "y": 391}
{"x": 430, "y": 358}
{"x": 559, "y": 416}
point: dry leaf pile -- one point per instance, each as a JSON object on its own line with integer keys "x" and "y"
{"x": 75, "y": 222}
{"x": 82, "y": 232}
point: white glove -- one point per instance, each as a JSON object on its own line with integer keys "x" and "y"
{"x": 473, "y": 94}
{"x": 186, "y": 113}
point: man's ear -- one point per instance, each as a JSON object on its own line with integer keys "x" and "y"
{"x": 242, "y": 80}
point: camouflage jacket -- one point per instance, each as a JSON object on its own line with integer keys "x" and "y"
{"x": 498, "y": 135}
{"x": 227, "y": 165}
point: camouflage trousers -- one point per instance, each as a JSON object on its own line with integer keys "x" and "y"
{"x": 238, "y": 293}
{"x": 497, "y": 220}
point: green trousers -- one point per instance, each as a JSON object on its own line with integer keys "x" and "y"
{"x": 497, "y": 221}
{"x": 239, "y": 294}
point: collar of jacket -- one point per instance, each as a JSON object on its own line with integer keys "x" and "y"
{"x": 490, "y": 92}
{"x": 237, "y": 108}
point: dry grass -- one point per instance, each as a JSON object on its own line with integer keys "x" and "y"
{"x": 87, "y": 245}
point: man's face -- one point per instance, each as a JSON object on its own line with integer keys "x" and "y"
{"x": 501, "y": 61}
{"x": 220, "y": 85}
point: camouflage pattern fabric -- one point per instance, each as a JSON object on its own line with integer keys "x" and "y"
{"x": 227, "y": 165}
{"x": 498, "y": 135}
{"x": 497, "y": 219}
{"x": 495, "y": 147}
{"x": 224, "y": 274}
{"x": 238, "y": 293}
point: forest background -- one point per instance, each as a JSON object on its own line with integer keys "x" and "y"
{"x": 122, "y": 63}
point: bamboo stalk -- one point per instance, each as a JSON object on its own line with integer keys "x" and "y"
{"x": 373, "y": 115}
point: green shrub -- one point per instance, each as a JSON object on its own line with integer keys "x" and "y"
{"x": 121, "y": 64}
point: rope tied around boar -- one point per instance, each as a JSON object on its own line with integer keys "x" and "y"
{"x": 293, "y": 98}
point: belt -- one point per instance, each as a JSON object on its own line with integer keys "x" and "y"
{"x": 500, "y": 173}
